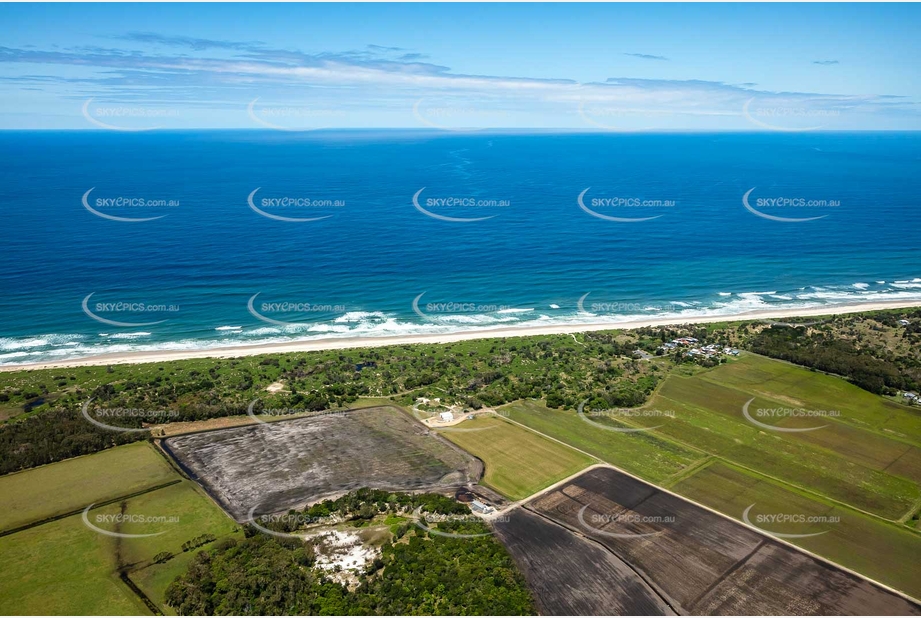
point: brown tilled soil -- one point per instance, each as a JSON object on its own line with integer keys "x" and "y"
{"x": 571, "y": 575}
{"x": 696, "y": 561}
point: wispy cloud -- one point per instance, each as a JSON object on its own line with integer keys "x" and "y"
{"x": 825, "y": 63}
{"x": 223, "y": 74}
{"x": 195, "y": 44}
{"x": 383, "y": 48}
{"x": 646, "y": 56}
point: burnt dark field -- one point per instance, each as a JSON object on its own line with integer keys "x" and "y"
{"x": 270, "y": 467}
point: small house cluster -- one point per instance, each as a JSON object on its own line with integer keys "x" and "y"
{"x": 911, "y": 398}
{"x": 712, "y": 350}
{"x": 694, "y": 349}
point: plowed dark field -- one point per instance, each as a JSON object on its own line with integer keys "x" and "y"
{"x": 682, "y": 557}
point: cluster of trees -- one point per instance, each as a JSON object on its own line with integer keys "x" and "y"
{"x": 365, "y": 504}
{"x": 417, "y": 573}
{"x": 197, "y": 542}
{"x": 46, "y": 437}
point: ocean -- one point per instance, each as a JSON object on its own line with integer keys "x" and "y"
{"x": 120, "y": 241}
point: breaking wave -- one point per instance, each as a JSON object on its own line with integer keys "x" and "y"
{"x": 372, "y": 324}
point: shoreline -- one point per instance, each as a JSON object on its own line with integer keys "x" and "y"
{"x": 344, "y": 343}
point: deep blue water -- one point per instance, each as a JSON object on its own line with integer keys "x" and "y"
{"x": 358, "y": 271}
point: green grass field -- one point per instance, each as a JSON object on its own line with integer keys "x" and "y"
{"x": 885, "y": 552}
{"x": 65, "y": 567}
{"x": 178, "y": 513}
{"x": 645, "y": 454}
{"x": 154, "y": 579}
{"x": 196, "y": 514}
{"x": 709, "y": 417}
{"x": 73, "y": 484}
{"x": 518, "y": 462}
{"x": 814, "y": 390}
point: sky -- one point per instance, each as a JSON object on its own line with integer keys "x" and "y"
{"x": 590, "y": 67}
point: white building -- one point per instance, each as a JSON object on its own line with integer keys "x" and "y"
{"x": 479, "y": 507}
{"x": 446, "y": 417}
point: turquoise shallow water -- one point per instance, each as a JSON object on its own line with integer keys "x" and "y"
{"x": 497, "y": 236}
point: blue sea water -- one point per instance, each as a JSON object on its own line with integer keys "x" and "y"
{"x": 187, "y": 278}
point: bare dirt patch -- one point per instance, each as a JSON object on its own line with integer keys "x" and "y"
{"x": 277, "y": 466}
{"x": 275, "y": 387}
{"x": 180, "y": 427}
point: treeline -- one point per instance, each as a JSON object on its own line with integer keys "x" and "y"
{"x": 826, "y": 351}
{"x": 46, "y": 437}
{"x": 416, "y": 573}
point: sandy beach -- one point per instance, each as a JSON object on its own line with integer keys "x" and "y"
{"x": 343, "y": 343}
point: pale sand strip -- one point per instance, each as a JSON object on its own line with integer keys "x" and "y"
{"x": 343, "y": 343}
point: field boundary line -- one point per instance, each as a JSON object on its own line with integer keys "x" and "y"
{"x": 125, "y": 577}
{"x": 671, "y": 603}
{"x": 907, "y": 517}
{"x": 725, "y": 574}
{"x": 48, "y": 520}
{"x": 189, "y": 475}
{"x": 690, "y": 470}
{"x": 598, "y": 460}
{"x": 896, "y": 460}
{"x": 523, "y": 502}
{"x": 659, "y": 435}
{"x": 287, "y": 419}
